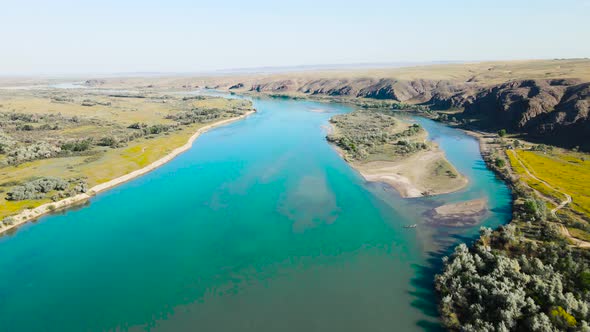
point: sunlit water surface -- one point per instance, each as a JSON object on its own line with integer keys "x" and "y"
{"x": 261, "y": 226}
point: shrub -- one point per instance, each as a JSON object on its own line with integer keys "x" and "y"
{"x": 499, "y": 162}
{"x": 563, "y": 318}
{"x": 485, "y": 289}
{"x": 8, "y": 221}
{"x": 137, "y": 125}
{"x": 502, "y": 132}
{"x": 108, "y": 141}
{"x": 36, "y": 189}
{"x": 156, "y": 129}
{"x": 31, "y": 152}
{"x": 25, "y": 127}
{"x": 77, "y": 146}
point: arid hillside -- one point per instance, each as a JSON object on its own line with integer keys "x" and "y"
{"x": 544, "y": 100}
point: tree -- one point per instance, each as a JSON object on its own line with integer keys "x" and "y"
{"x": 563, "y": 318}
{"x": 499, "y": 162}
{"x": 107, "y": 141}
{"x": 517, "y": 143}
{"x": 502, "y": 132}
{"x": 77, "y": 146}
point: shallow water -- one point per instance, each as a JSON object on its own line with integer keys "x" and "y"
{"x": 261, "y": 226}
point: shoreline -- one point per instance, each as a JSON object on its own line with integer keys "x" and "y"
{"x": 404, "y": 186}
{"x": 388, "y": 172}
{"x": 398, "y": 174}
{"x": 41, "y": 210}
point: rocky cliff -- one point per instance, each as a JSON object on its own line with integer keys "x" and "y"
{"x": 553, "y": 111}
{"x": 548, "y": 110}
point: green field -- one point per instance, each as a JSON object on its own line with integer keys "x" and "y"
{"x": 55, "y": 118}
{"x": 565, "y": 171}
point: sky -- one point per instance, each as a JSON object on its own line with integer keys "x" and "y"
{"x": 124, "y": 36}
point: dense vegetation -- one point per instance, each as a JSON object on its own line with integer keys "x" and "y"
{"x": 39, "y": 188}
{"x": 45, "y": 134}
{"x": 525, "y": 276}
{"x": 197, "y": 115}
{"x": 31, "y": 136}
{"x": 362, "y": 133}
{"x": 506, "y": 282}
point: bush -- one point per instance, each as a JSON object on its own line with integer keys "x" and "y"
{"x": 499, "y": 162}
{"x": 563, "y": 318}
{"x": 108, "y": 141}
{"x": 8, "y": 221}
{"x": 502, "y": 132}
{"x": 525, "y": 287}
{"x": 31, "y": 152}
{"x": 535, "y": 209}
{"x": 36, "y": 189}
{"x": 156, "y": 129}
{"x": 137, "y": 125}
{"x": 77, "y": 146}
{"x": 39, "y": 188}
{"x": 25, "y": 127}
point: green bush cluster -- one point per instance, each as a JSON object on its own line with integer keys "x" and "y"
{"x": 36, "y": 189}
{"x": 505, "y": 283}
{"x": 204, "y": 115}
{"x": 77, "y": 146}
{"x": 390, "y": 104}
{"x": 17, "y": 155}
{"x": 542, "y": 148}
{"x": 39, "y": 188}
{"x": 362, "y": 133}
{"x": 500, "y": 163}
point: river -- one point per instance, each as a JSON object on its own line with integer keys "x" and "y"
{"x": 260, "y": 226}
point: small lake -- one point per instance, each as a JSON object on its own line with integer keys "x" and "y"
{"x": 260, "y": 226}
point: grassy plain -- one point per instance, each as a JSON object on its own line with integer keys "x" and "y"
{"x": 566, "y": 171}
{"x": 109, "y": 116}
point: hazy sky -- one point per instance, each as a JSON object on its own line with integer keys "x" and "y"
{"x": 104, "y": 36}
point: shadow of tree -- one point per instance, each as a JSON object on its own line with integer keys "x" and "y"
{"x": 423, "y": 292}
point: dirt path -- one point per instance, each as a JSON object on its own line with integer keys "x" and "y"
{"x": 568, "y": 198}
{"x": 577, "y": 242}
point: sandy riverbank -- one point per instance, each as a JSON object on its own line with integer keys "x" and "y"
{"x": 414, "y": 176}
{"x": 420, "y": 174}
{"x": 31, "y": 214}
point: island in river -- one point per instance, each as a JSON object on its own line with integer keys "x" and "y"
{"x": 385, "y": 148}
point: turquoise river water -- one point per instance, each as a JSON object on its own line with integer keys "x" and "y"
{"x": 260, "y": 226}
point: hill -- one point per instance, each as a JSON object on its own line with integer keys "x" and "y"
{"x": 544, "y": 100}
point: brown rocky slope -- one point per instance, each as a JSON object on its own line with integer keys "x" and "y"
{"x": 554, "y": 111}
